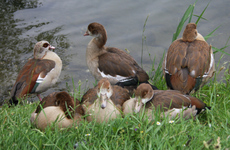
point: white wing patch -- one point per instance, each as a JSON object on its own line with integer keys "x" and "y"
{"x": 175, "y": 111}
{"x": 186, "y": 97}
{"x": 210, "y": 67}
{"x": 145, "y": 100}
{"x": 192, "y": 73}
{"x": 117, "y": 77}
{"x": 166, "y": 70}
{"x": 40, "y": 79}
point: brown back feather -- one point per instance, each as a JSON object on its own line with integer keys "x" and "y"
{"x": 61, "y": 99}
{"x": 185, "y": 57}
{"x": 194, "y": 56}
{"x": 47, "y": 101}
{"x": 90, "y": 95}
{"x": 122, "y": 65}
{"x": 28, "y": 75}
{"x": 120, "y": 95}
{"x": 182, "y": 81}
{"x": 167, "y": 100}
{"x": 198, "y": 103}
{"x": 66, "y": 103}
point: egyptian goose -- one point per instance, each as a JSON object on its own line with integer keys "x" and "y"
{"x": 104, "y": 102}
{"x": 109, "y": 62}
{"x": 189, "y": 62}
{"x": 38, "y": 74}
{"x": 170, "y": 102}
{"x": 59, "y": 108}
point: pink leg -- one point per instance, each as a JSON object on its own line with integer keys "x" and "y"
{"x": 39, "y": 96}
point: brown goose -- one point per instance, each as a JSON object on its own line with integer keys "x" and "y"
{"x": 170, "y": 102}
{"x": 38, "y": 74}
{"x": 104, "y": 102}
{"x": 109, "y": 62}
{"x": 189, "y": 62}
{"x": 59, "y": 108}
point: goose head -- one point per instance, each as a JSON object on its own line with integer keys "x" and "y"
{"x": 143, "y": 94}
{"x": 98, "y": 32}
{"x": 104, "y": 91}
{"x": 41, "y": 48}
{"x": 190, "y": 32}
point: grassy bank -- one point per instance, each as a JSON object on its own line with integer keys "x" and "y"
{"x": 210, "y": 130}
{"x": 131, "y": 132}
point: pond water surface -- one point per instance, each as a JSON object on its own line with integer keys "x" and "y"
{"x": 63, "y": 24}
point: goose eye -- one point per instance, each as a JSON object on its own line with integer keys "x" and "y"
{"x": 45, "y": 45}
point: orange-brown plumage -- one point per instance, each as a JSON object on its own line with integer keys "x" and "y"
{"x": 187, "y": 60}
{"x": 29, "y": 74}
{"x": 38, "y": 74}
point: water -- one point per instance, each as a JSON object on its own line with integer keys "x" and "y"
{"x": 63, "y": 24}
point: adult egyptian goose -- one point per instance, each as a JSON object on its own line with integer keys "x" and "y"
{"x": 109, "y": 62}
{"x": 189, "y": 62}
{"x": 38, "y": 74}
{"x": 58, "y": 108}
{"x": 104, "y": 102}
{"x": 170, "y": 102}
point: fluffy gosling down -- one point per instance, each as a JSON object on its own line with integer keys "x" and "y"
{"x": 57, "y": 108}
{"x": 104, "y": 102}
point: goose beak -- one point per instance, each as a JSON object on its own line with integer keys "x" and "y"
{"x": 86, "y": 33}
{"x": 51, "y": 47}
{"x": 104, "y": 100}
{"x": 137, "y": 107}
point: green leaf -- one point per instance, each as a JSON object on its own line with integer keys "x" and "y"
{"x": 183, "y": 19}
{"x": 202, "y": 14}
{"x": 201, "y": 17}
{"x": 220, "y": 50}
{"x": 210, "y": 34}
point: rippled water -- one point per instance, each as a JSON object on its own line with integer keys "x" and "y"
{"x": 63, "y": 24}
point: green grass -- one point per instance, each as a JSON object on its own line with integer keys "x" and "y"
{"x": 130, "y": 132}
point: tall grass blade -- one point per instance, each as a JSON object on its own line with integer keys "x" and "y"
{"x": 143, "y": 39}
{"x": 211, "y": 33}
{"x": 202, "y": 14}
{"x": 190, "y": 18}
{"x": 183, "y": 19}
{"x": 221, "y": 50}
{"x": 201, "y": 17}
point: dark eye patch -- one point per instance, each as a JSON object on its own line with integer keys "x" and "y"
{"x": 45, "y": 45}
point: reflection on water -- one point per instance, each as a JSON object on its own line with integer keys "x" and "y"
{"x": 15, "y": 50}
{"x": 63, "y": 23}
{"x": 11, "y": 45}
